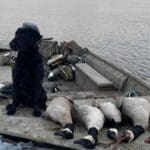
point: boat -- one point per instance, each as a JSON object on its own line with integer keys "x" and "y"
{"x": 96, "y": 80}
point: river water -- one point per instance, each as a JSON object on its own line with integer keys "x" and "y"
{"x": 117, "y": 30}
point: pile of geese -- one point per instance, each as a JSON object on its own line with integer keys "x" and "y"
{"x": 65, "y": 111}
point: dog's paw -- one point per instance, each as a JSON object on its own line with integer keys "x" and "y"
{"x": 9, "y": 106}
{"x": 11, "y": 111}
{"x": 36, "y": 113}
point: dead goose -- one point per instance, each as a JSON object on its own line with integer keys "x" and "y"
{"x": 93, "y": 119}
{"x": 113, "y": 115}
{"x": 138, "y": 110}
{"x": 59, "y": 110}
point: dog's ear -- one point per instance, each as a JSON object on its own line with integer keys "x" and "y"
{"x": 14, "y": 44}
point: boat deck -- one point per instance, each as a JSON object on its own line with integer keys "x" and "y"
{"x": 25, "y": 127}
{"x": 41, "y": 130}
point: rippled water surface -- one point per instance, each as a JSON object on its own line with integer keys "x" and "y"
{"x": 117, "y": 30}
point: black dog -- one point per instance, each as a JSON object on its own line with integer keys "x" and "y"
{"x": 28, "y": 71}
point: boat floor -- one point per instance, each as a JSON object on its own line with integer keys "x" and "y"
{"x": 41, "y": 130}
{"x": 24, "y": 127}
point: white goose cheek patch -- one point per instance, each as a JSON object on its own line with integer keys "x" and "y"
{"x": 90, "y": 138}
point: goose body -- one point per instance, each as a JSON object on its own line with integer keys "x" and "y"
{"x": 59, "y": 110}
{"x": 110, "y": 111}
{"x": 138, "y": 110}
{"x": 93, "y": 119}
{"x": 90, "y": 116}
{"x": 113, "y": 115}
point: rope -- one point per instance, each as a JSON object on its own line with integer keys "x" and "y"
{"x": 119, "y": 140}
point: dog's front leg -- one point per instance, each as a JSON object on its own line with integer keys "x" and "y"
{"x": 39, "y": 73}
{"x": 36, "y": 105}
{"x": 11, "y": 108}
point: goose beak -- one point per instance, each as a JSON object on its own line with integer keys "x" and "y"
{"x": 59, "y": 133}
{"x": 85, "y": 142}
{"x": 65, "y": 134}
{"x": 80, "y": 141}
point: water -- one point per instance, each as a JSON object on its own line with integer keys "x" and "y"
{"x": 117, "y": 30}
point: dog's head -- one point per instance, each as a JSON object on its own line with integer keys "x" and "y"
{"x": 26, "y": 38}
